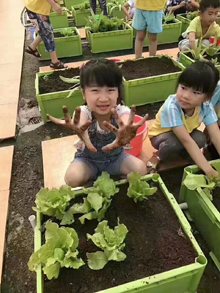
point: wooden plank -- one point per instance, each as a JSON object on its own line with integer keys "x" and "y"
{"x": 6, "y": 157}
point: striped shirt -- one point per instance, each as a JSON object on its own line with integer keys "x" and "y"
{"x": 171, "y": 115}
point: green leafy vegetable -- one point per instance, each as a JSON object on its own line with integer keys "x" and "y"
{"x": 97, "y": 201}
{"x": 104, "y": 24}
{"x": 84, "y": 5}
{"x": 138, "y": 189}
{"x": 116, "y": 5}
{"x": 54, "y": 202}
{"x": 58, "y": 251}
{"x": 169, "y": 18}
{"x": 74, "y": 80}
{"x": 194, "y": 181}
{"x": 110, "y": 241}
{"x": 68, "y": 32}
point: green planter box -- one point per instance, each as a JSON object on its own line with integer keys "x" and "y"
{"x": 184, "y": 20}
{"x": 151, "y": 89}
{"x": 80, "y": 16}
{"x": 187, "y": 61}
{"x": 52, "y": 103}
{"x": 171, "y": 33}
{"x": 117, "y": 13}
{"x": 110, "y": 41}
{"x": 70, "y": 3}
{"x": 205, "y": 215}
{"x": 180, "y": 280}
{"x": 65, "y": 47}
{"x": 59, "y": 21}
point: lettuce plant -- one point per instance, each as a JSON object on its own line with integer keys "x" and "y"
{"x": 97, "y": 201}
{"x": 54, "y": 202}
{"x": 194, "y": 181}
{"x": 138, "y": 189}
{"x": 111, "y": 243}
{"x": 58, "y": 251}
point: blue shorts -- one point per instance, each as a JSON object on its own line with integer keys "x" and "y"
{"x": 150, "y": 20}
{"x": 44, "y": 28}
{"x": 113, "y": 167}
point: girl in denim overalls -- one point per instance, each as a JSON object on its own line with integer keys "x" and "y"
{"x": 103, "y": 126}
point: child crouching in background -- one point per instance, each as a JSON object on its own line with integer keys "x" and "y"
{"x": 175, "y": 130}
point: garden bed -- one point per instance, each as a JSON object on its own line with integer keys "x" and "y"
{"x": 204, "y": 212}
{"x": 187, "y": 59}
{"x": 150, "y": 79}
{"x": 159, "y": 240}
{"x": 68, "y": 44}
{"x": 110, "y": 40}
{"x": 52, "y": 93}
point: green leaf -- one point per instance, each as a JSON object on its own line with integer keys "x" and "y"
{"x": 71, "y": 260}
{"x": 106, "y": 185}
{"x": 88, "y": 216}
{"x": 52, "y": 271}
{"x": 95, "y": 200}
{"x": 97, "y": 260}
{"x": 59, "y": 254}
{"x": 73, "y": 80}
{"x": 68, "y": 218}
{"x": 194, "y": 181}
{"x": 139, "y": 190}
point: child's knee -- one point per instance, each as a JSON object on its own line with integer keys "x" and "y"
{"x": 152, "y": 37}
{"x": 73, "y": 179}
{"x": 136, "y": 165}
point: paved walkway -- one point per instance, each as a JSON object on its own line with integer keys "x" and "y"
{"x": 11, "y": 56}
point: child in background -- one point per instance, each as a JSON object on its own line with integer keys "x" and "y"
{"x": 176, "y": 6}
{"x": 39, "y": 14}
{"x": 103, "y": 125}
{"x": 102, "y": 4}
{"x": 175, "y": 131}
{"x": 129, "y": 9}
{"x": 203, "y": 26}
{"x": 148, "y": 17}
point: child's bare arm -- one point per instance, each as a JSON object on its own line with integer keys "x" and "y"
{"x": 55, "y": 6}
{"x": 194, "y": 151}
{"x": 195, "y": 4}
{"x": 192, "y": 40}
{"x": 174, "y": 8}
{"x": 125, "y": 9}
{"x": 214, "y": 134}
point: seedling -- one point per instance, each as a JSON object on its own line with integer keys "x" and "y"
{"x": 110, "y": 241}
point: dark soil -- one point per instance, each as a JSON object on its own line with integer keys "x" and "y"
{"x": 216, "y": 198}
{"x": 213, "y": 57}
{"x": 52, "y": 83}
{"x": 148, "y": 67}
{"x": 149, "y": 251}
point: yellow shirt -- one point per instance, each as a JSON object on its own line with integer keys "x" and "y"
{"x": 38, "y": 6}
{"x": 151, "y": 5}
{"x": 195, "y": 27}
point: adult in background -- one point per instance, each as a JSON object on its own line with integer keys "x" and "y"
{"x": 148, "y": 16}
{"x": 102, "y": 4}
{"x": 38, "y": 12}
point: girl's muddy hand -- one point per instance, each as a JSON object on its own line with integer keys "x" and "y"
{"x": 125, "y": 133}
{"x": 73, "y": 124}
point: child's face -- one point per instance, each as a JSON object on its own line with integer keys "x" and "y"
{"x": 188, "y": 98}
{"x": 210, "y": 15}
{"x": 101, "y": 99}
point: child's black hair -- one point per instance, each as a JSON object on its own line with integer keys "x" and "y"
{"x": 101, "y": 72}
{"x": 205, "y": 4}
{"x": 201, "y": 76}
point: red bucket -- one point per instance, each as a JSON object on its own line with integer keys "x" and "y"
{"x": 137, "y": 142}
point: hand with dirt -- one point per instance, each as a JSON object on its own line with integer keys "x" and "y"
{"x": 213, "y": 174}
{"x": 80, "y": 130}
{"x": 125, "y": 133}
